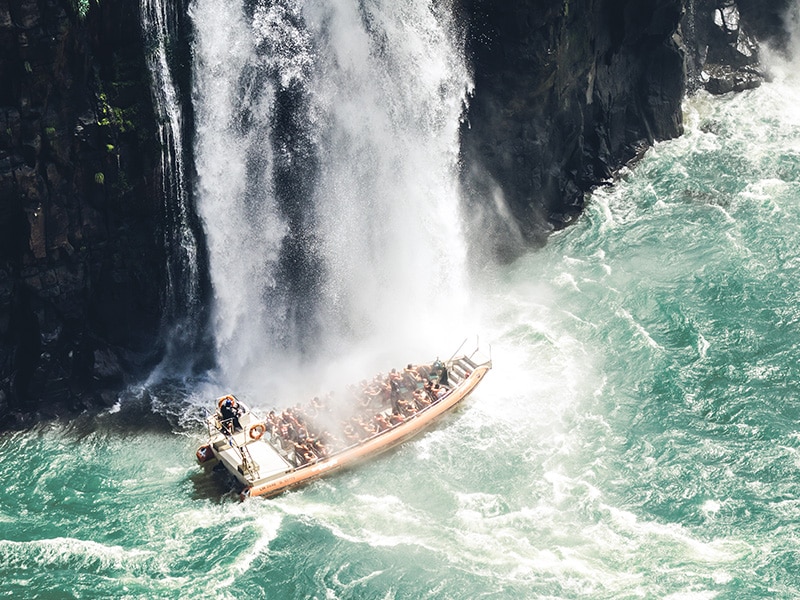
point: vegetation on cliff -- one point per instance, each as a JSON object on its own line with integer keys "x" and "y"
{"x": 79, "y": 261}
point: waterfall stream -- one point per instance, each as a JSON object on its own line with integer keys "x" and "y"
{"x": 326, "y": 150}
{"x": 182, "y": 297}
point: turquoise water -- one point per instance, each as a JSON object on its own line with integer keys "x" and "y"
{"x": 637, "y": 437}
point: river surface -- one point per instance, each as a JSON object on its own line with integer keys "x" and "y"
{"x": 637, "y": 437}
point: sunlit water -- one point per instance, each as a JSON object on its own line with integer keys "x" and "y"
{"x": 637, "y": 437}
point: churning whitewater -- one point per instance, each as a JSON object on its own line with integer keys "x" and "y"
{"x": 636, "y": 438}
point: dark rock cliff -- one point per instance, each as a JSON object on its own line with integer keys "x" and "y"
{"x": 567, "y": 91}
{"x": 80, "y": 258}
{"x": 723, "y": 40}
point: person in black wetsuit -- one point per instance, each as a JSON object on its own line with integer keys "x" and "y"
{"x": 230, "y": 411}
{"x": 440, "y": 369}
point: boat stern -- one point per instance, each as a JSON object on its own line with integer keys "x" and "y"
{"x": 204, "y": 454}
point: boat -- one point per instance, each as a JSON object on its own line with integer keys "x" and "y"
{"x": 270, "y": 454}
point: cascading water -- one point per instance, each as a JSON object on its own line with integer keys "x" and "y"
{"x": 327, "y": 148}
{"x": 390, "y": 85}
{"x": 182, "y": 301}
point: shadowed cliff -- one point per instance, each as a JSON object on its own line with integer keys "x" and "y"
{"x": 568, "y": 91}
{"x": 81, "y": 260}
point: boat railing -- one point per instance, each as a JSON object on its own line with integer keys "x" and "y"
{"x": 249, "y": 466}
{"x": 226, "y": 428}
{"x": 213, "y": 424}
{"x": 464, "y": 365}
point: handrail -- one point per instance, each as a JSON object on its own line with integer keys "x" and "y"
{"x": 459, "y": 348}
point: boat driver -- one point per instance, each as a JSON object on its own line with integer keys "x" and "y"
{"x": 230, "y": 411}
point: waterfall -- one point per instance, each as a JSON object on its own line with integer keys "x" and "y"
{"x": 792, "y": 24}
{"x": 181, "y": 296}
{"x": 327, "y": 152}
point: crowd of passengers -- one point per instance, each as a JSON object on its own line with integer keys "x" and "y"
{"x": 382, "y": 403}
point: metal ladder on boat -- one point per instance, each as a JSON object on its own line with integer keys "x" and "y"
{"x": 460, "y": 369}
{"x": 249, "y": 467}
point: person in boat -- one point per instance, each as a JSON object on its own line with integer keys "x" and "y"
{"x": 381, "y": 393}
{"x": 405, "y": 408}
{"x": 374, "y": 393}
{"x": 303, "y": 454}
{"x": 230, "y": 411}
{"x": 317, "y": 446}
{"x": 395, "y": 381}
{"x": 410, "y": 377}
{"x": 330, "y": 442}
{"x": 421, "y": 398}
{"x": 430, "y": 391}
{"x": 290, "y": 425}
{"x": 381, "y": 422}
{"x": 440, "y": 371}
{"x": 350, "y": 433}
{"x": 272, "y": 423}
{"x": 396, "y": 419}
{"x": 360, "y": 427}
{"x": 424, "y": 371}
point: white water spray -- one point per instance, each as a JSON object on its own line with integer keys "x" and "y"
{"x": 390, "y": 85}
{"x": 182, "y": 295}
{"x": 242, "y": 224}
{"x": 382, "y": 86}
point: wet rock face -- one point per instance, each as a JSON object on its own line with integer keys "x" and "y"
{"x": 722, "y": 40}
{"x": 568, "y": 91}
{"x": 80, "y": 257}
{"x": 565, "y": 93}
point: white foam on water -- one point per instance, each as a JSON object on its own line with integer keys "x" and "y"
{"x": 73, "y": 554}
{"x": 639, "y": 329}
{"x": 711, "y": 507}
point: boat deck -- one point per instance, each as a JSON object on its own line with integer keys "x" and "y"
{"x": 267, "y": 462}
